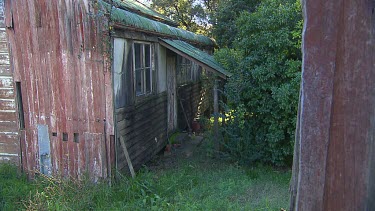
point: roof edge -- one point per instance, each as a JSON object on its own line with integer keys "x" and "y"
{"x": 127, "y": 19}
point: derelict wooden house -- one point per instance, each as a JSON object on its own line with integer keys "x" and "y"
{"x": 76, "y": 75}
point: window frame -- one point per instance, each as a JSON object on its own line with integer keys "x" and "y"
{"x": 143, "y": 69}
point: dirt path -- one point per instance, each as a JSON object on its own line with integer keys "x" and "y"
{"x": 183, "y": 147}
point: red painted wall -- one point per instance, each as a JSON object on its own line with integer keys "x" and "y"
{"x": 60, "y": 54}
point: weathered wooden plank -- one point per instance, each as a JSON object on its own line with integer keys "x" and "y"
{"x": 136, "y": 147}
{"x": 7, "y": 105}
{"x": 128, "y": 160}
{"x": 8, "y": 116}
{"x": 11, "y": 148}
{"x": 144, "y": 123}
{"x": 138, "y": 117}
{"x": 5, "y": 70}
{"x": 6, "y": 82}
{"x": 146, "y": 103}
{"x": 141, "y": 135}
{"x": 8, "y": 127}
{"x": 6, "y": 93}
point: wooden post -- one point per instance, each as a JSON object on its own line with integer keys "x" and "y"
{"x": 334, "y": 165}
{"x": 216, "y": 115}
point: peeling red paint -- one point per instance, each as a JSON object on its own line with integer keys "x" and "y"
{"x": 59, "y": 57}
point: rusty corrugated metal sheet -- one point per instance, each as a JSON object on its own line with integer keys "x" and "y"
{"x": 335, "y": 164}
{"x": 9, "y": 144}
{"x": 60, "y": 57}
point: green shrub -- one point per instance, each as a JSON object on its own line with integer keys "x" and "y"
{"x": 264, "y": 88}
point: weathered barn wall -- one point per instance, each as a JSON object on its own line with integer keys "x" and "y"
{"x": 59, "y": 56}
{"x": 144, "y": 129}
{"x": 9, "y": 143}
{"x": 195, "y": 101}
{"x": 335, "y": 147}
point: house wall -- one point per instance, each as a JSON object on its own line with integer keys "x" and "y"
{"x": 9, "y": 144}
{"x": 59, "y": 56}
{"x": 143, "y": 127}
{"x": 140, "y": 120}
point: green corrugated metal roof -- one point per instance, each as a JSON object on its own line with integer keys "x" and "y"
{"x": 196, "y": 54}
{"x": 130, "y": 19}
{"x": 137, "y": 7}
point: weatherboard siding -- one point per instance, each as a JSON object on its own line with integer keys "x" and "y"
{"x": 144, "y": 129}
{"x": 9, "y": 143}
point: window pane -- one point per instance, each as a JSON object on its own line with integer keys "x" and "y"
{"x": 148, "y": 80}
{"x": 147, "y": 56}
{"x": 137, "y": 55}
{"x": 138, "y": 82}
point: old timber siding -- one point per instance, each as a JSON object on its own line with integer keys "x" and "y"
{"x": 144, "y": 129}
{"x": 59, "y": 58}
{"x": 195, "y": 101}
{"x": 9, "y": 144}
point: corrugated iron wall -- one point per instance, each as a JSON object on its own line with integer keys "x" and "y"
{"x": 60, "y": 57}
{"x": 9, "y": 144}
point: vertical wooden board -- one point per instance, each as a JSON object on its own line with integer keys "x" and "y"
{"x": 55, "y": 155}
{"x": 23, "y": 146}
{"x": 171, "y": 84}
{"x": 8, "y": 14}
{"x": 94, "y": 155}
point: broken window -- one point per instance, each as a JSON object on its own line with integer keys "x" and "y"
{"x": 143, "y": 68}
{"x": 187, "y": 71}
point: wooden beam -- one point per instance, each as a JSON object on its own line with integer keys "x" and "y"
{"x": 122, "y": 142}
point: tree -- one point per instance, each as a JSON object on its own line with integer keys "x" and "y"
{"x": 263, "y": 90}
{"x": 192, "y": 15}
{"x": 224, "y": 19}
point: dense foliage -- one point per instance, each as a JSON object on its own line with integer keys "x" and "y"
{"x": 224, "y": 19}
{"x": 263, "y": 92}
{"x": 192, "y": 15}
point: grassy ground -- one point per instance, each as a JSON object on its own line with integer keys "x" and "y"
{"x": 194, "y": 183}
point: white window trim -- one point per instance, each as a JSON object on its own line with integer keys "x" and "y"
{"x": 143, "y": 69}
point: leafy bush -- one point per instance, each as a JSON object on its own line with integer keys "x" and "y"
{"x": 264, "y": 88}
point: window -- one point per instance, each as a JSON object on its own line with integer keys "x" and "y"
{"x": 187, "y": 71}
{"x": 184, "y": 73}
{"x": 142, "y": 68}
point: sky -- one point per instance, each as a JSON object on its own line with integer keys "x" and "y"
{"x": 146, "y": 2}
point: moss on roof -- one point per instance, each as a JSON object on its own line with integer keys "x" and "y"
{"x": 141, "y": 9}
{"x": 133, "y": 20}
{"x": 197, "y": 54}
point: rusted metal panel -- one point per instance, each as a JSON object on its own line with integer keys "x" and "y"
{"x": 59, "y": 55}
{"x": 336, "y": 124}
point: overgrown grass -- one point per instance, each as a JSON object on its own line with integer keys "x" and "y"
{"x": 197, "y": 183}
